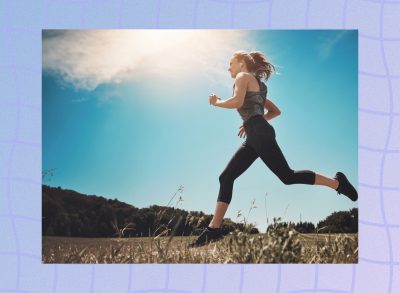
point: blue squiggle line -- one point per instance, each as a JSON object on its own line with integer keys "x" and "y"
{"x": 379, "y": 262}
{"x": 386, "y": 147}
{"x": 378, "y": 112}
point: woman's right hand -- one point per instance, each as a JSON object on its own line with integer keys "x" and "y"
{"x": 242, "y": 131}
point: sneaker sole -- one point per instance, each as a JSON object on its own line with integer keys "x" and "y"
{"x": 352, "y": 197}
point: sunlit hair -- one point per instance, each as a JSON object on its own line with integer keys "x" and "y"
{"x": 256, "y": 62}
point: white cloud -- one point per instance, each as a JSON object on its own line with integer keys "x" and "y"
{"x": 327, "y": 45}
{"x": 88, "y": 58}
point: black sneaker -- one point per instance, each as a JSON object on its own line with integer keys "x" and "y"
{"x": 207, "y": 236}
{"x": 345, "y": 187}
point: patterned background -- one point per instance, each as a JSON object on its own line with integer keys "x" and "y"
{"x": 20, "y": 145}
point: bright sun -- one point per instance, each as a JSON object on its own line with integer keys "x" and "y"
{"x": 88, "y": 58}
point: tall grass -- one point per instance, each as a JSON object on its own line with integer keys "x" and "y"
{"x": 279, "y": 245}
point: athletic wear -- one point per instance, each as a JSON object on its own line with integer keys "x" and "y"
{"x": 345, "y": 187}
{"x": 260, "y": 142}
{"x": 207, "y": 236}
{"x": 253, "y": 103}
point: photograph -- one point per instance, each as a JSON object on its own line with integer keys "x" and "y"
{"x": 196, "y": 146}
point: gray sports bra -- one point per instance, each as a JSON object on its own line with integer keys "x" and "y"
{"x": 253, "y": 102}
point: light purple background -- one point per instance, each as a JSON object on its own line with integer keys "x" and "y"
{"x": 379, "y": 145}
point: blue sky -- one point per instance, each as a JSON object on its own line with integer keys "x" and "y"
{"x": 131, "y": 120}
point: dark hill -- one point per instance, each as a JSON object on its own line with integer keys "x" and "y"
{"x": 69, "y": 213}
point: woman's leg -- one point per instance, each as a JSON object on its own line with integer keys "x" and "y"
{"x": 240, "y": 162}
{"x": 220, "y": 210}
{"x": 322, "y": 180}
{"x": 271, "y": 154}
{"x": 273, "y": 157}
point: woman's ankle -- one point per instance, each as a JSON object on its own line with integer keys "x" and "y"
{"x": 213, "y": 226}
{"x": 335, "y": 184}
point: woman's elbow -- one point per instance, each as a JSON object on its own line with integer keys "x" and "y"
{"x": 238, "y": 105}
{"x": 275, "y": 113}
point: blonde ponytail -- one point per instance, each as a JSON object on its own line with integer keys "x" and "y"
{"x": 257, "y": 63}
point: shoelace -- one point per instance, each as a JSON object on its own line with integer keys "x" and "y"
{"x": 199, "y": 230}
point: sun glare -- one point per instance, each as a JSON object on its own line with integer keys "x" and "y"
{"x": 88, "y": 58}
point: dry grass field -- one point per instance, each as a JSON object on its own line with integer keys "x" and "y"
{"x": 280, "y": 245}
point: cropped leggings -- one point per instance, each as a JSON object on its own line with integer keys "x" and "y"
{"x": 261, "y": 143}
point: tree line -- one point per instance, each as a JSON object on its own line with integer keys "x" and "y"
{"x": 69, "y": 213}
{"x": 337, "y": 222}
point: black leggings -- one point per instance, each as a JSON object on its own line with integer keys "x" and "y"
{"x": 261, "y": 143}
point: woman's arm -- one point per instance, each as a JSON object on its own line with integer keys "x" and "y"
{"x": 273, "y": 110}
{"x": 239, "y": 93}
{"x": 231, "y": 103}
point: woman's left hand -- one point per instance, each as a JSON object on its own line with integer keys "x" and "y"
{"x": 213, "y": 99}
{"x": 242, "y": 132}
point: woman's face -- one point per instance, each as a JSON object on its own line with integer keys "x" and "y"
{"x": 235, "y": 67}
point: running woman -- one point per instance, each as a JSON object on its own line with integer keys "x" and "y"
{"x": 250, "y": 99}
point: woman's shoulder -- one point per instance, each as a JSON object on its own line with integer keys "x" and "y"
{"x": 250, "y": 79}
{"x": 245, "y": 76}
{"x": 242, "y": 77}
{"x": 248, "y": 76}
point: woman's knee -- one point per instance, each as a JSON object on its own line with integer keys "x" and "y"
{"x": 226, "y": 198}
{"x": 225, "y": 177}
{"x": 222, "y": 177}
{"x": 287, "y": 178}
{"x": 298, "y": 177}
{"x": 226, "y": 186}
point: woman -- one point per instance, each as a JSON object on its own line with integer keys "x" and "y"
{"x": 250, "y": 99}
